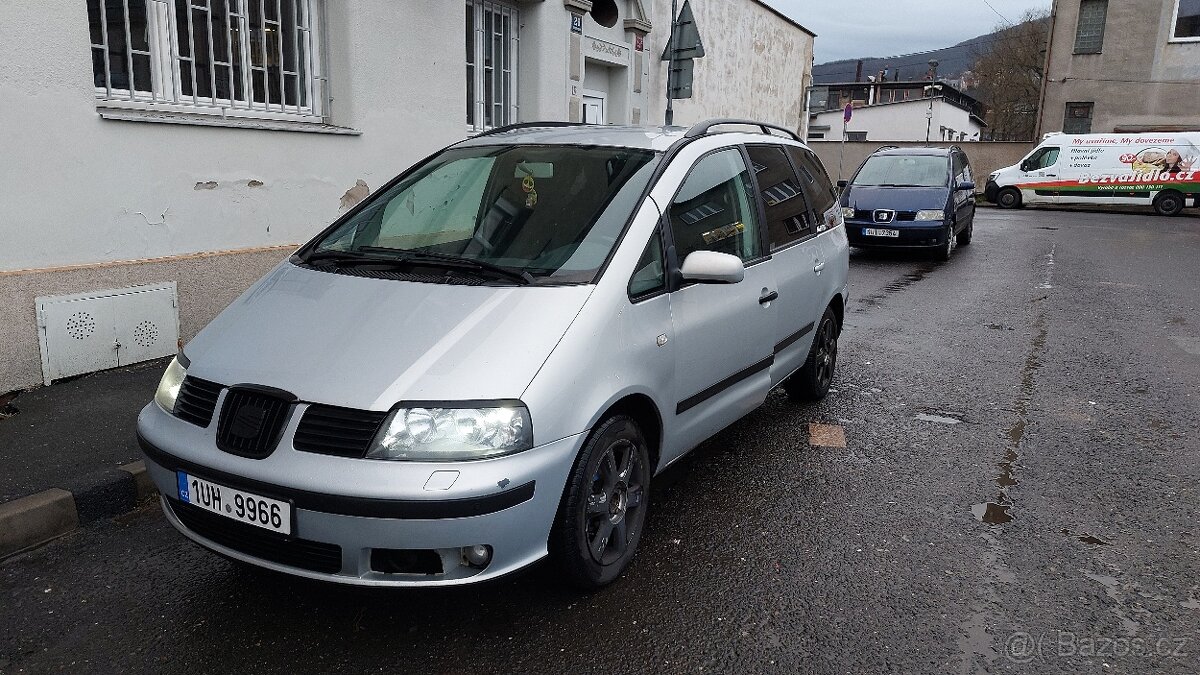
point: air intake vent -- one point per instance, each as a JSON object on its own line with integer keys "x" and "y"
{"x": 197, "y": 400}
{"x": 257, "y": 542}
{"x": 344, "y": 432}
{"x": 251, "y": 421}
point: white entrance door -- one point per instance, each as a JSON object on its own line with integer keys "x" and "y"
{"x": 593, "y": 107}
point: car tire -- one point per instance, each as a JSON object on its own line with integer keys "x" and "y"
{"x": 603, "y": 509}
{"x": 1009, "y": 198}
{"x": 1168, "y": 203}
{"x": 964, "y": 237}
{"x": 811, "y": 382}
{"x": 943, "y": 252}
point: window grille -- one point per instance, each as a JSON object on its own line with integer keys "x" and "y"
{"x": 257, "y": 58}
{"x": 1089, "y": 33}
{"x": 492, "y": 37}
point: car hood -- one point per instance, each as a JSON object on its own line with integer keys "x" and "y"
{"x": 369, "y": 343}
{"x": 869, "y": 198}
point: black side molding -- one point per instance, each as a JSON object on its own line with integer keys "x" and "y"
{"x": 791, "y": 339}
{"x": 693, "y": 401}
{"x": 406, "y": 509}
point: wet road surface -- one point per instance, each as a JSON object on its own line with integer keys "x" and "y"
{"x": 1017, "y": 493}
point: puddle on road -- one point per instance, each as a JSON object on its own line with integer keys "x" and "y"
{"x": 991, "y": 513}
{"x": 897, "y": 285}
{"x": 1089, "y": 539}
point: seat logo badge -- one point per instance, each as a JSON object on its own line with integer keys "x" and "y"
{"x": 884, "y": 216}
{"x": 662, "y": 339}
{"x": 247, "y": 421}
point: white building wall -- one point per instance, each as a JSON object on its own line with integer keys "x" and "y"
{"x": 902, "y": 122}
{"x": 75, "y": 188}
{"x": 756, "y": 65}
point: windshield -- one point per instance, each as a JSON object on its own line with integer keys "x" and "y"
{"x": 904, "y": 171}
{"x": 547, "y": 214}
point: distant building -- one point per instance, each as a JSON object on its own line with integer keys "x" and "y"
{"x": 915, "y": 110}
{"x": 1122, "y": 66}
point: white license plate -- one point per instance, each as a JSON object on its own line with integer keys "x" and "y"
{"x": 269, "y": 514}
{"x": 873, "y": 232}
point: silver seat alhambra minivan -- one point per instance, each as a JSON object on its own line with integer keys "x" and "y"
{"x": 489, "y": 359}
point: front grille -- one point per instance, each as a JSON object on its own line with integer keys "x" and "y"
{"x": 251, "y": 422}
{"x": 257, "y": 542}
{"x": 344, "y": 432}
{"x": 869, "y": 216}
{"x": 196, "y": 401}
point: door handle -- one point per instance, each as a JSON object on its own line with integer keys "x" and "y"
{"x": 818, "y": 266}
{"x": 768, "y": 297}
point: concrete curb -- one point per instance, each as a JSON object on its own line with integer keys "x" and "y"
{"x": 38, "y": 518}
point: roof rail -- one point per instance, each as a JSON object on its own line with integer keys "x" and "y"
{"x": 704, "y": 127}
{"x": 886, "y": 147}
{"x": 527, "y": 125}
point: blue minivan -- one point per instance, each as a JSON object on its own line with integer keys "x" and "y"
{"x": 911, "y": 198}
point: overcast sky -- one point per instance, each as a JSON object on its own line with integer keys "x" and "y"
{"x": 852, "y": 28}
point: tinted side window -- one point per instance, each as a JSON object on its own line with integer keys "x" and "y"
{"x": 648, "y": 276}
{"x": 714, "y": 210}
{"x": 788, "y": 215}
{"x": 959, "y": 166}
{"x": 817, "y": 188}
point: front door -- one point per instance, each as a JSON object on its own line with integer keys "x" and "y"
{"x": 593, "y": 107}
{"x": 724, "y": 333}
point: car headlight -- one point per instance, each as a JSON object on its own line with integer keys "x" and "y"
{"x": 847, "y": 212}
{"x": 931, "y": 214}
{"x": 168, "y": 386}
{"x": 451, "y": 434}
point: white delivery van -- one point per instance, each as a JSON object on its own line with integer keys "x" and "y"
{"x": 1158, "y": 170}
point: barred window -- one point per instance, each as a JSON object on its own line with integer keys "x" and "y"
{"x": 1078, "y": 118}
{"x": 492, "y": 37}
{"x": 1089, "y": 33}
{"x": 254, "y": 58}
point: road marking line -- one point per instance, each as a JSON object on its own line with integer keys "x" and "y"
{"x": 826, "y": 435}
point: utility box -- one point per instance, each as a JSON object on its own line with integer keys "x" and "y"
{"x": 92, "y": 331}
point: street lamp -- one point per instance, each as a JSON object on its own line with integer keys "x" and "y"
{"x": 931, "y": 92}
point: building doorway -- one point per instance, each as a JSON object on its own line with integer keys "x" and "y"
{"x": 594, "y": 107}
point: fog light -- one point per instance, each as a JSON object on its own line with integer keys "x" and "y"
{"x": 478, "y": 555}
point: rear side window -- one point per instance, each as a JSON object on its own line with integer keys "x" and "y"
{"x": 815, "y": 182}
{"x": 788, "y": 217}
{"x": 962, "y": 168}
{"x": 714, "y": 209}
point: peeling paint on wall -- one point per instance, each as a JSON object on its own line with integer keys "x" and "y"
{"x": 206, "y": 185}
{"x": 254, "y": 183}
{"x": 355, "y": 195}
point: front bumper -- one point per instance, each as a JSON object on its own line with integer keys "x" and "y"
{"x": 347, "y": 510}
{"x": 991, "y": 190}
{"x": 928, "y": 235}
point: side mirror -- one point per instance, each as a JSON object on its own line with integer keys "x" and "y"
{"x": 965, "y": 185}
{"x": 1026, "y": 166}
{"x": 842, "y": 184}
{"x": 710, "y": 267}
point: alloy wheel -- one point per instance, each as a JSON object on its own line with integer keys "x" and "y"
{"x": 614, "y": 502}
{"x": 826, "y": 356}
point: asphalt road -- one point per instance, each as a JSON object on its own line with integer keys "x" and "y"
{"x": 1017, "y": 494}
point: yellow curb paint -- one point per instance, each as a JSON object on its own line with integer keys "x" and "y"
{"x": 826, "y": 435}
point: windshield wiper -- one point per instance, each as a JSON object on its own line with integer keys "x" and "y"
{"x": 450, "y": 261}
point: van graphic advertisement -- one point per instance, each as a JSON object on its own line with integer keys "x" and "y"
{"x": 1151, "y": 170}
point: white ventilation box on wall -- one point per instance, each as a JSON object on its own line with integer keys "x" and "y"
{"x": 86, "y": 332}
